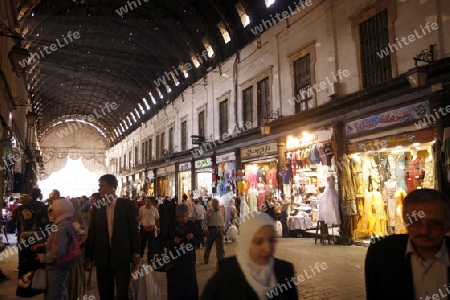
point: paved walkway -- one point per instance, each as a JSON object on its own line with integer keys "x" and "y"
{"x": 343, "y": 277}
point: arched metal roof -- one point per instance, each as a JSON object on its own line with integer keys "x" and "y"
{"x": 119, "y": 56}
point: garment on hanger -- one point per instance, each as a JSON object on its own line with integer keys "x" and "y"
{"x": 399, "y": 196}
{"x": 429, "y": 180}
{"x": 390, "y": 187}
{"x": 413, "y": 174}
{"x": 329, "y": 204}
{"x": 400, "y": 165}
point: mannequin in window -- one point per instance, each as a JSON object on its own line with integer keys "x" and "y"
{"x": 240, "y": 182}
{"x": 378, "y": 211}
{"x": 329, "y": 203}
{"x": 399, "y": 197}
{"x": 261, "y": 187}
{"x": 414, "y": 171}
{"x": 252, "y": 197}
{"x": 389, "y": 189}
{"x": 286, "y": 179}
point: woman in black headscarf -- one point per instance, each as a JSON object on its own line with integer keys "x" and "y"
{"x": 181, "y": 238}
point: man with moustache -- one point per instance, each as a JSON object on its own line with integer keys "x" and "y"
{"x": 414, "y": 265}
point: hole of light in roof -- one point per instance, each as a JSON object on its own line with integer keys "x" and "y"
{"x": 195, "y": 60}
{"x": 175, "y": 79}
{"x": 137, "y": 113}
{"x": 269, "y": 2}
{"x": 146, "y": 103}
{"x": 141, "y": 108}
{"x": 32, "y": 14}
{"x": 169, "y": 90}
{"x": 133, "y": 116}
{"x": 159, "y": 92}
{"x": 245, "y": 19}
{"x": 208, "y": 47}
{"x": 224, "y": 32}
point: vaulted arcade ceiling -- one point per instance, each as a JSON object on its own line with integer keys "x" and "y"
{"x": 97, "y": 60}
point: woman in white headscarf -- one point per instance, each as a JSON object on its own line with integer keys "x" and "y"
{"x": 57, "y": 246}
{"x": 253, "y": 273}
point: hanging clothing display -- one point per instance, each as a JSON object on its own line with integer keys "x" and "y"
{"x": 408, "y": 168}
{"x": 390, "y": 187}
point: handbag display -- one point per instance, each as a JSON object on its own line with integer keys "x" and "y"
{"x": 35, "y": 280}
{"x": 73, "y": 251}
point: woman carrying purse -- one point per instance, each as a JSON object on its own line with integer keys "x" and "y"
{"x": 58, "y": 257}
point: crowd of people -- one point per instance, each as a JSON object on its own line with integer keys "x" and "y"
{"x": 69, "y": 236}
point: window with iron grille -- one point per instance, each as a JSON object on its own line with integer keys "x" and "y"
{"x": 136, "y": 155}
{"x": 263, "y": 100}
{"x": 374, "y": 36}
{"x": 184, "y": 141}
{"x": 125, "y": 162}
{"x": 120, "y": 164}
{"x": 161, "y": 140}
{"x": 171, "y": 139}
{"x": 130, "y": 164}
{"x": 201, "y": 123}
{"x": 150, "y": 149}
{"x": 302, "y": 84}
{"x": 157, "y": 150}
{"x": 144, "y": 152}
{"x": 247, "y": 105}
{"x": 223, "y": 117}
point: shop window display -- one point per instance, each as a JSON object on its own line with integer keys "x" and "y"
{"x": 260, "y": 182}
{"x": 311, "y": 186}
{"x": 185, "y": 180}
{"x": 226, "y": 177}
{"x": 383, "y": 179}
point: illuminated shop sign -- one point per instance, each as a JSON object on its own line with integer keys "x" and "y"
{"x": 184, "y": 167}
{"x": 257, "y": 151}
{"x": 392, "y": 117}
{"x": 225, "y": 157}
{"x": 207, "y": 162}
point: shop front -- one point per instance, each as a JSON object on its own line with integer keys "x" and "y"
{"x": 149, "y": 185}
{"x": 387, "y": 165}
{"x": 165, "y": 181}
{"x": 228, "y": 178}
{"x": 185, "y": 179}
{"x": 260, "y": 173}
{"x": 203, "y": 177}
{"x": 309, "y": 179}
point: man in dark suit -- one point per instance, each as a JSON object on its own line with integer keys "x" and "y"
{"x": 113, "y": 241}
{"x": 414, "y": 265}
